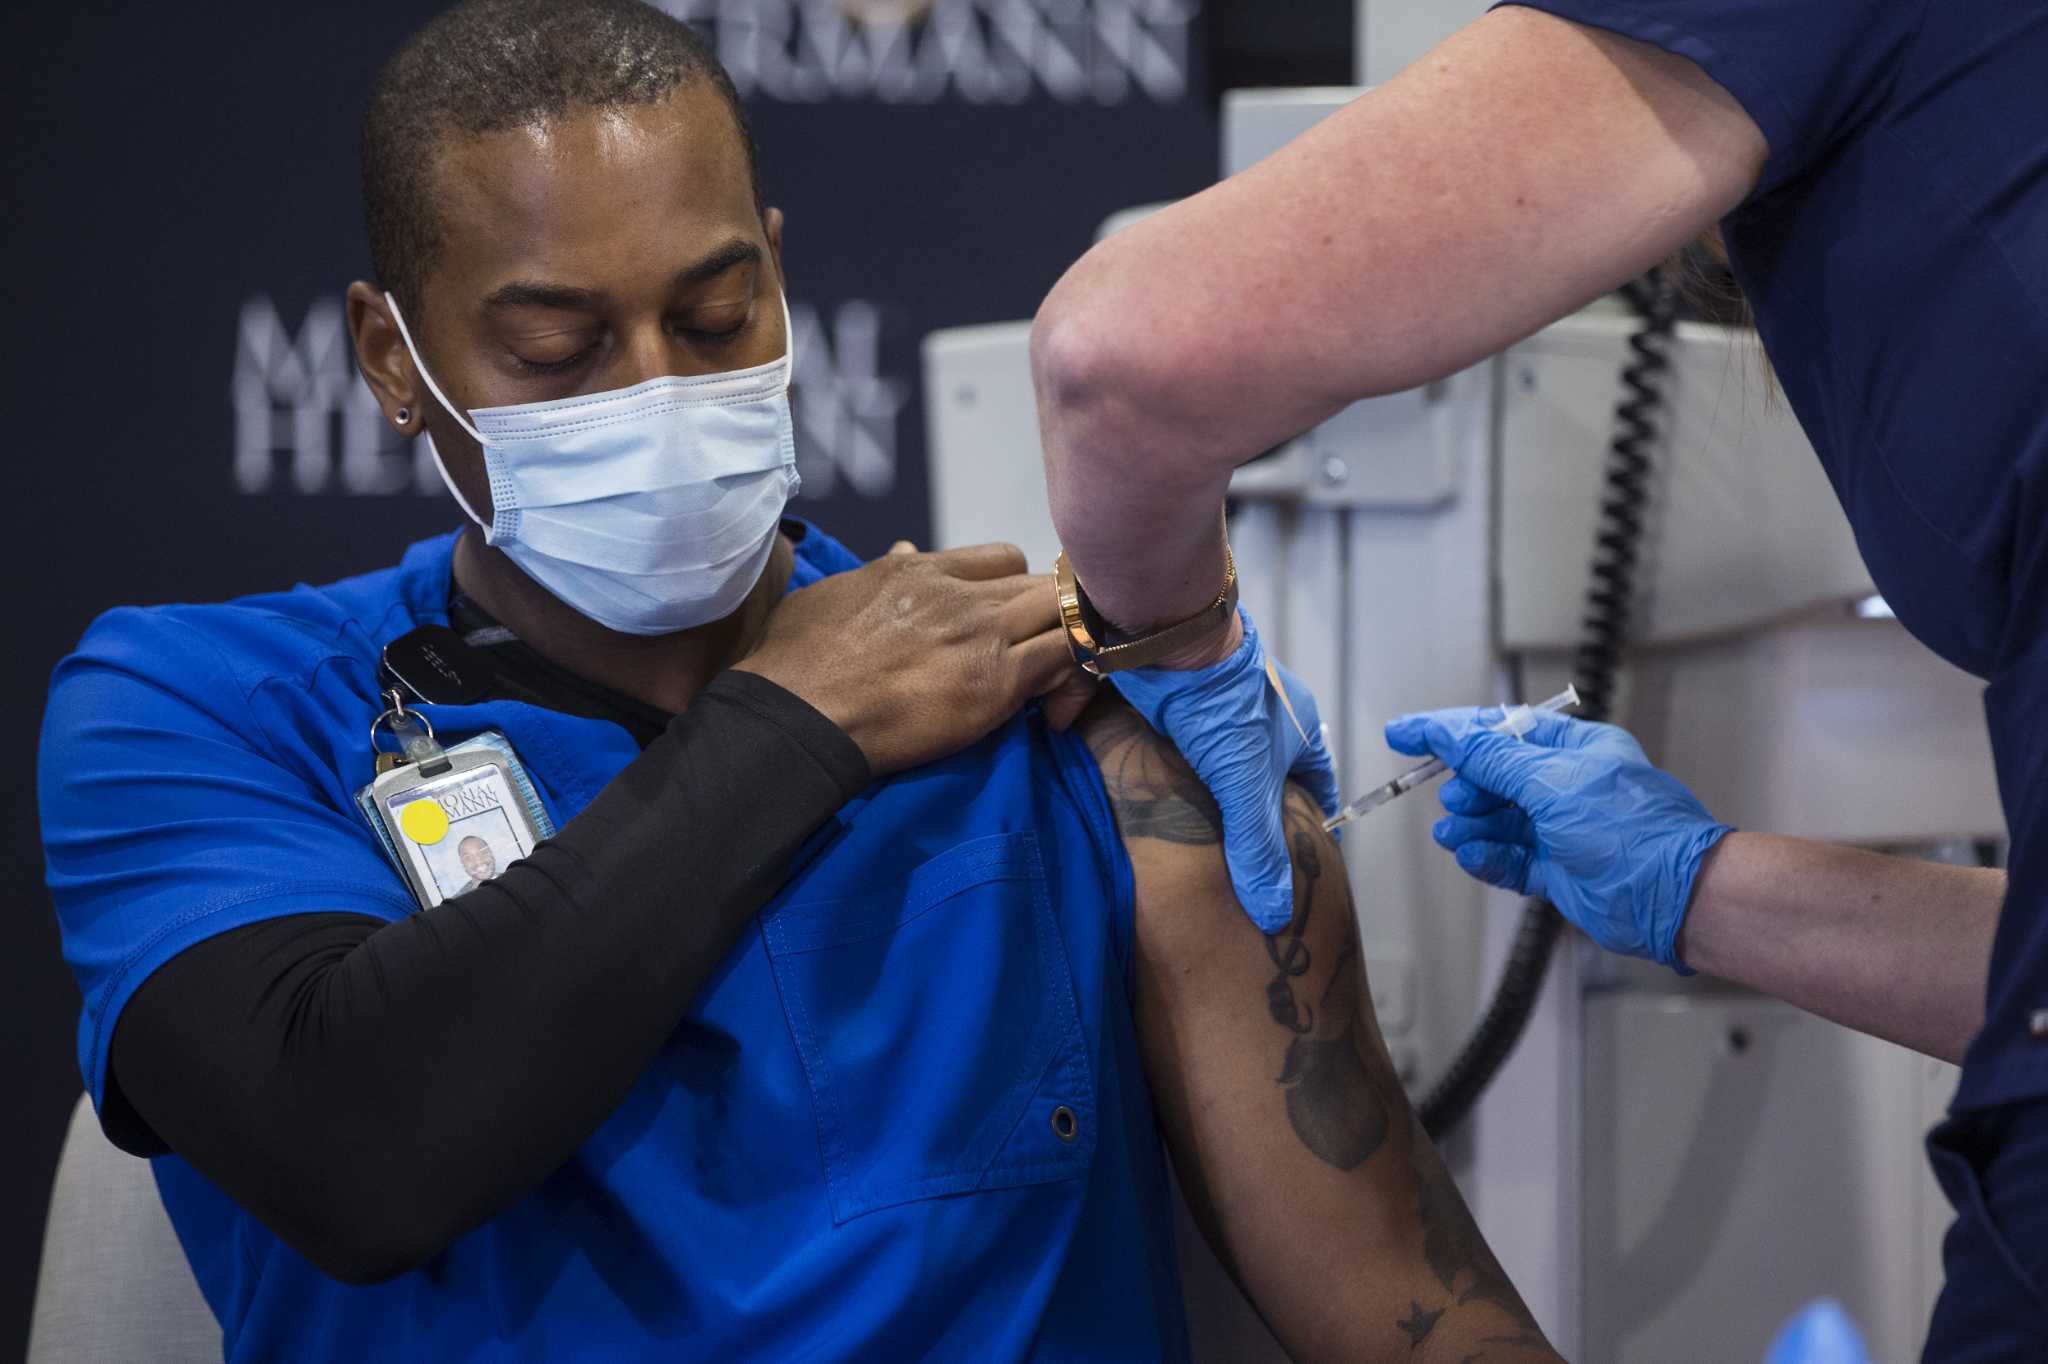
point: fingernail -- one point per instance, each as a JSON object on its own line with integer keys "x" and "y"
{"x": 1440, "y": 831}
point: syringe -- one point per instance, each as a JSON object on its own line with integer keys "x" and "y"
{"x": 1518, "y": 720}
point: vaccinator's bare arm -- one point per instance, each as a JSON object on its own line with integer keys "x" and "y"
{"x": 1523, "y": 168}
{"x": 1893, "y": 946}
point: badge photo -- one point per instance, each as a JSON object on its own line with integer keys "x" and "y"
{"x": 456, "y": 820}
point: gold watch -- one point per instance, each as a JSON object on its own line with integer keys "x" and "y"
{"x": 1093, "y": 640}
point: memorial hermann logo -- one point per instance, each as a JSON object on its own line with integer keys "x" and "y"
{"x": 1103, "y": 52}
{"x": 305, "y": 423}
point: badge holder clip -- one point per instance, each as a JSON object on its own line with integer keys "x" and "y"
{"x": 415, "y": 739}
{"x": 449, "y": 819}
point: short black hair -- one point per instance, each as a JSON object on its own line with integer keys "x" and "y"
{"x": 489, "y": 65}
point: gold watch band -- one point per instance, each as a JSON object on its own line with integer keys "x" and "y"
{"x": 1086, "y": 630}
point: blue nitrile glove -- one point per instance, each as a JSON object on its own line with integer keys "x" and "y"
{"x": 1235, "y": 731}
{"x": 1819, "y": 1333}
{"x": 1571, "y": 811}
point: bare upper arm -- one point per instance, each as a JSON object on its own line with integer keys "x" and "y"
{"x": 1522, "y": 168}
{"x": 1291, "y": 1135}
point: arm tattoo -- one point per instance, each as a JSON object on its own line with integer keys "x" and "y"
{"x": 1342, "y": 1098}
{"x": 1343, "y": 1101}
{"x": 1458, "y": 1255}
{"x": 1419, "y": 1323}
{"x": 1333, "y": 1103}
{"x": 1336, "y": 1109}
{"x": 1154, "y": 793}
{"x": 1290, "y": 956}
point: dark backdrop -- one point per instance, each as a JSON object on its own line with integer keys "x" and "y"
{"x": 184, "y": 422}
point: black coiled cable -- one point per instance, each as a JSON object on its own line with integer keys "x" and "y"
{"x": 1624, "y": 502}
{"x": 1610, "y": 597}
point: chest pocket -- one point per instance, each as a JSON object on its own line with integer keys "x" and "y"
{"x": 937, "y": 1025}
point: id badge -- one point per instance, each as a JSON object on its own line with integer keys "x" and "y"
{"x": 456, "y": 819}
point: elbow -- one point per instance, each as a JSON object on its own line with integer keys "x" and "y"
{"x": 362, "y": 1241}
{"x": 1073, "y": 357}
{"x": 1107, "y": 393}
{"x": 368, "y": 1267}
{"x": 365, "y": 1258}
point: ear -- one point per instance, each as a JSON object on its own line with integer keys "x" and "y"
{"x": 395, "y": 382}
{"x": 382, "y": 357}
{"x": 771, "y": 222}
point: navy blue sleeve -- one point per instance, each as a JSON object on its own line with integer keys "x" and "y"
{"x": 1808, "y": 71}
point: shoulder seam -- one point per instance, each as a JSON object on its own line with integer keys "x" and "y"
{"x": 333, "y": 653}
{"x": 329, "y": 641}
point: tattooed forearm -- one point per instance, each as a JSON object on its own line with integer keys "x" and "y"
{"x": 1334, "y": 1104}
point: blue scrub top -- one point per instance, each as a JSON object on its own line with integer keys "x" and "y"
{"x": 847, "y": 1150}
{"x": 1896, "y": 254}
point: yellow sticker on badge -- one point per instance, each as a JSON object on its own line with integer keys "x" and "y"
{"x": 424, "y": 822}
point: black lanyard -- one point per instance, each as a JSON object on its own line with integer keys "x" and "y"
{"x": 439, "y": 665}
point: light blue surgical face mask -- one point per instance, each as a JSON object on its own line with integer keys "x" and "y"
{"x": 649, "y": 509}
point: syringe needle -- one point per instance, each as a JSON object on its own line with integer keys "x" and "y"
{"x": 1566, "y": 700}
{"x": 1380, "y": 795}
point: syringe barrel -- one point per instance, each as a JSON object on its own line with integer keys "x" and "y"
{"x": 1421, "y": 773}
{"x": 1517, "y": 720}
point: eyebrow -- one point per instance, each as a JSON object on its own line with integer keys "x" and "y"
{"x": 737, "y": 251}
{"x": 527, "y": 293}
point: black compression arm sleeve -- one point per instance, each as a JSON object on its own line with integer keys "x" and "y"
{"x": 371, "y": 1091}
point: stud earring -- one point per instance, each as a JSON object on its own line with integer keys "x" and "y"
{"x": 404, "y": 416}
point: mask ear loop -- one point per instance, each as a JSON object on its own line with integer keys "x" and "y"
{"x": 442, "y": 398}
{"x": 788, "y": 341}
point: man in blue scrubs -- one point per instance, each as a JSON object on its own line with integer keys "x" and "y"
{"x": 906, "y": 1113}
{"x": 1879, "y": 172}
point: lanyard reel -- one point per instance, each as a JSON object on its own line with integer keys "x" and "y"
{"x": 452, "y": 818}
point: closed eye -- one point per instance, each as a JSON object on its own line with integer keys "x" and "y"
{"x": 554, "y": 366}
{"x": 704, "y": 323}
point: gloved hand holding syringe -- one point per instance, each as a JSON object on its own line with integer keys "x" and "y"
{"x": 1516, "y": 720}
